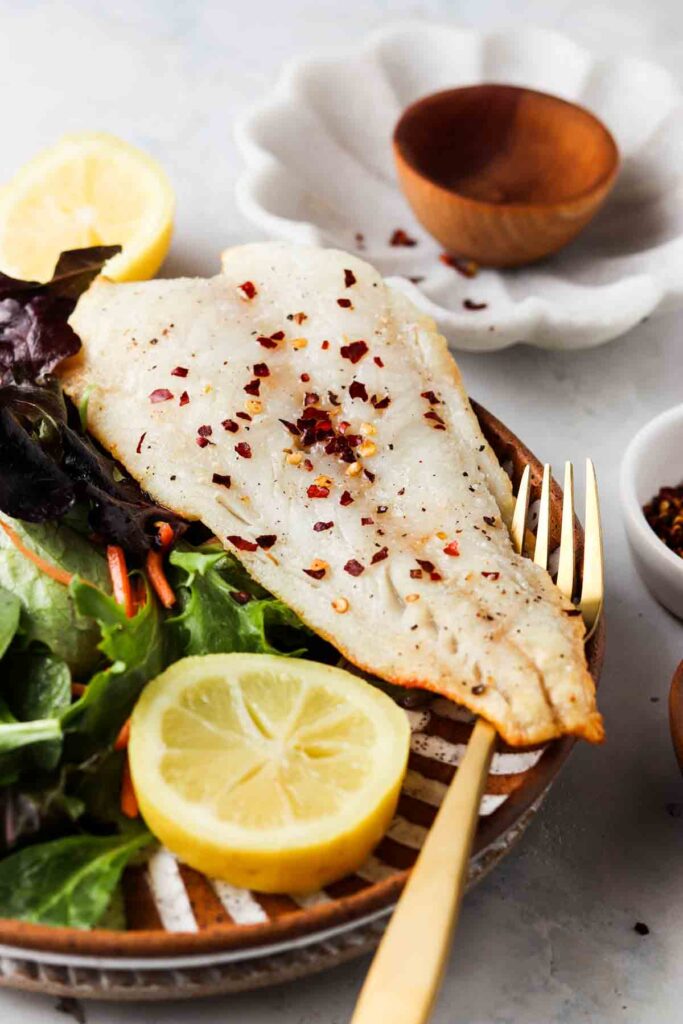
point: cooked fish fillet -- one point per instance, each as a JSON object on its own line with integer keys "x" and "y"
{"x": 312, "y": 418}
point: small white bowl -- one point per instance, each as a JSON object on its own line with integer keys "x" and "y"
{"x": 654, "y": 459}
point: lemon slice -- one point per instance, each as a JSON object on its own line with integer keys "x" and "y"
{"x": 271, "y": 773}
{"x": 89, "y": 189}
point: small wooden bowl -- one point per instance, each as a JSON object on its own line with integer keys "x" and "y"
{"x": 676, "y": 713}
{"x": 503, "y": 175}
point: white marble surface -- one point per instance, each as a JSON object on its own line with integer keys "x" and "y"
{"x": 548, "y": 938}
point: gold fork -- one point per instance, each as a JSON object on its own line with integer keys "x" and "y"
{"x": 404, "y": 978}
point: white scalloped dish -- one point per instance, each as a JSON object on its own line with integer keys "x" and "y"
{"x": 319, "y": 170}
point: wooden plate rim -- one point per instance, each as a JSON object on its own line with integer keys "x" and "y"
{"x": 157, "y": 943}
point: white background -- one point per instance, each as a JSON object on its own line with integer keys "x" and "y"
{"x": 549, "y": 936}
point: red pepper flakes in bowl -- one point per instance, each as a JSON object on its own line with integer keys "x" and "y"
{"x": 664, "y": 513}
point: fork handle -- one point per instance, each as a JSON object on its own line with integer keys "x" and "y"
{"x": 403, "y": 980}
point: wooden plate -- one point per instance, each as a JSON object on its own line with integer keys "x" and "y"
{"x": 180, "y": 921}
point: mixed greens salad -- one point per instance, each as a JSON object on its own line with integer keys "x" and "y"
{"x": 100, "y": 590}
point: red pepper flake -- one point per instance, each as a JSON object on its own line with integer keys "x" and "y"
{"x": 346, "y": 499}
{"x": 349, "y": 278}
{"x": 378, "y": 362}
{"x": 205, "y": 431}
{"x": 298, "y": 318}
{"x": 240, "y": 596}
{"x": 315, "y": 491}
{"x": 222, "y": 479}
{"x": 242, "y": 545}
{"x": 416, "y": 574}
{"x": 266, "y": 540}
{"x": 184, "y": 398}
{"x": 379, "y": 556}
{"x": 354, "y": 351}
{"x": 243, "y": 449}
{"x": 316, "y": 574}
{"x": 310, "y": 398}
{"x": 431, "y": 415}
{"x": 367, "y": 521}
{"x": 426, "y": 565}
{"x": 230, "y": 425}
{"x": 370, "y": 476}
{"x": 325, "y": 345}
{"x": 202, "y": 441}
{"x": 382, "y": 508}
{"x": 358, "y": 390}
{"x": 253, "y": 387}
{"x": 435, "y": 576}
{"x": 402, "y": 238}
{"x": 491, "y": 575}
{"x": 160, "y": 395}
{"x": 478, "y": 689}
{"x": 140, "y": 442}
{"x": 308, "y": 465}
{"x": 319, "y": 527}
{"x": 261, "y": 370}
{"x": 291, "y": 427}
{"x": 452, "y": 548}
{"x": 380, "y": 403}
{"x": 468, "y": 268}
{"x": 344, "y": 303}
{"x": 354, "y": 567}
{"x": 304, "y": 378}
{"x": 244, "y": 416}
{"x": 247, "y": 290}
{"x": 490, "y": 520}
{"x": 278, "y": 336}
{"x": 180, "y": 371}
{"x": 266, "y": 342}
{"x": 431, "y": 397}
{"x": 470, "y": 304}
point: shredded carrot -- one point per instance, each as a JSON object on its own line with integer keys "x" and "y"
{"x": 157, "y": 577}
{"x": 59, "y": 575}
{"x": 120, "y": 581}
{"x": 121, "y": 741}
{"x": 166, "y": 535}
{"x": 78, "y": 689}
{"x": 128, "y": 799}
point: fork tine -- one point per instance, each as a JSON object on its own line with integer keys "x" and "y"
{"x": 521, "y": 508}
{"x": 592, "y": 588}
{"x": 565, "y": 569}
{"x": 543, "y": 528}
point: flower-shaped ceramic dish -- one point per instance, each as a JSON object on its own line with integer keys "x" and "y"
{"x": 188, "y": 935}
{"x": 319, "y": 169}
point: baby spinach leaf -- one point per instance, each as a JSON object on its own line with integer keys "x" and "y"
{"x": 36, "y": 684}
{"x": 48, "y": 612}
{"x": 66, "y": 882}
{"x": 10, "y": 608}
{"x": 136, "y": 651}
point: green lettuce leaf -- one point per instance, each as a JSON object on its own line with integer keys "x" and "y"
{"x": 10, "y": 610}
{"x": 67, "y": 882}
{"x": 222, "y": 609}
{"x": 48, "y": 612}
{"x": 135, "y": 648}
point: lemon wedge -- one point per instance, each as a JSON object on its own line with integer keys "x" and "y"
{"x": 274, "y": 774}
{"x": 88, "y": 189}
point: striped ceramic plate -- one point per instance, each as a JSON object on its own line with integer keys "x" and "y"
{"x": 181, "y": 922}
